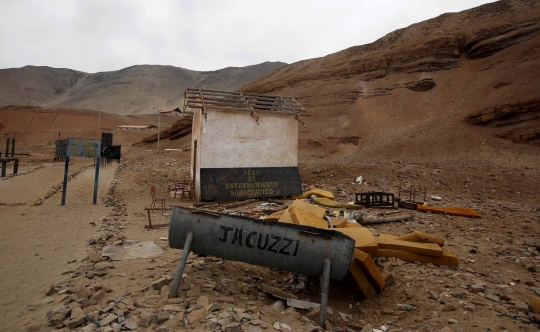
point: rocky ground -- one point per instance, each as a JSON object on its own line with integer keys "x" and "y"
{"x": 83, "y": 291}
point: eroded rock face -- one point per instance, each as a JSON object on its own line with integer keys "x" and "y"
{"x": 518, "y": 122}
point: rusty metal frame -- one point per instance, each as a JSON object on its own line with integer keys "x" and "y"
{"x": 411, "y": 202}
{"x": 375, "y": 199}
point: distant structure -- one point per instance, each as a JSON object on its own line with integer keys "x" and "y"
{"x": 171, "y": 111}
{"x": 132, "y": 127}
{"x": 244, "y": 145}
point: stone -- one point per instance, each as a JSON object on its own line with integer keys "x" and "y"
{"x": 278, "y": 306}
{"x": 470, "y": 307}
{"x": 131, "y": 325}
{"x": 522, "y": 306}
{"x": 164, "y": 291}
{"x": 224, "y": 299}
{"x": 233, "y": 327}
{"x": 98, "y": 295}
{"x": 57, "y": 319}
{"x": 446, "y": 329}
{"x": 477, "y": 288}
{"x": 171, "y": 308}
{"x": 108, "y": 320}
{"x": 31, "y": 328}
{"x": 146, "y": 319}
{"x": 493, "y": 297}
{"x": 203, "y": 301}
{"x": 73, "y": 323}
{"x": 459, "y": 294}
{"x": 77, "y": 312}
{"x": 194, "y": 292}
{"x": 196, "y": 315}
{"x": 389, "y": 279}
{"x": 531, "y": 268}
{"x": 160, "y": 318}
{"x": 276, "y": 326}
{"x": 530, "y": 243}
{"x": 252, "y": 329}
{"x": 83, "y": 292}
{"x": 410, "y": 293}
{"x": 387, "y": 311}
{"x": 448, "y": 307}
{"x": 158, "y": 284}
{"x": 452, "y": 321}
{"x": 50, "y": 291}
{"x": 285, "y": 327}
{"x": 89, "y": 328}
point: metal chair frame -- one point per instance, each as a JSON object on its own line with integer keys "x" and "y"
{"x": 155, "y": 200}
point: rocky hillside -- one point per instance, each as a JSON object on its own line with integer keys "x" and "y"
{"x": 132, "y": 90}
{"x": 462, "y": 85}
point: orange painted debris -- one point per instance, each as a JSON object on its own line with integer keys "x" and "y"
{"x": 430, "y": 249}
{"x": 316, "y": 210}
{"x": 370, "y": 269}
{"x": 417, "y": 236}
{"x": 362, "y": 280}
{"x": 339, "y": 222}
{"x": 275, "y": 216}
{"x": 534, "y": 302}
{"x": 452, "y": 211}
{"x": 317, "y": 192}
{"x": 363, "y": 239}
{"x": 303, "y": 217}
{"x": 448, "y": 258}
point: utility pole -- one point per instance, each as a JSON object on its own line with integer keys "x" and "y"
{"x": 99, "y": 118}
{"x": 158, "y": 128}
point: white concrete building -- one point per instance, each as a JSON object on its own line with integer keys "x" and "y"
{"x": 243, "y": 145}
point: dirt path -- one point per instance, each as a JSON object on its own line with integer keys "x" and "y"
{"x": 36, "y": 242}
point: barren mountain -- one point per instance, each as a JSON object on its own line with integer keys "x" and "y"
{"x": 460, "y": 86}
{"x": 132, "y": 90}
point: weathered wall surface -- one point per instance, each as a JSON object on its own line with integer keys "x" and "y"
{"x": 233, "y": 139}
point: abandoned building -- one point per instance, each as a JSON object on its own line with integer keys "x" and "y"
{"x": 243, "y": 145}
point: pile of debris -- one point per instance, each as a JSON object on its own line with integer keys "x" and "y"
{"x": 413, "y": 247}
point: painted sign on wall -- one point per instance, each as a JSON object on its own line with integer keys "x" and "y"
{"x": 253, "y": 182}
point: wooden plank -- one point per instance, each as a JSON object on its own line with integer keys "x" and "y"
{"x": 302, "y": 217}
{"x": 452, "y": 211}
{"x": 370, "y": 269}
{"x": 367, "y": 290}
{"x": 447, "y": 258}
{"x": 417, "y": 236}
{"x": 430, "y": 249}
{"x": 363, "y": 239}
{"x": 316, "y": 210}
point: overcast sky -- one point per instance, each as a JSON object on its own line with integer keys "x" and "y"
{"x": 105, "y": 35}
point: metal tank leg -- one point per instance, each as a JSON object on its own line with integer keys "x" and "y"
{"x": 325, "y": 281}
{"x": 175, "y": 285}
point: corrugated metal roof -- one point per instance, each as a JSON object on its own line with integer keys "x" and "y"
{"x": 212, "y": 99}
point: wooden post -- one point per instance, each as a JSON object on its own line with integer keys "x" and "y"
{"x": 16, "y": 166}
{"x": 65, "y": 181}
